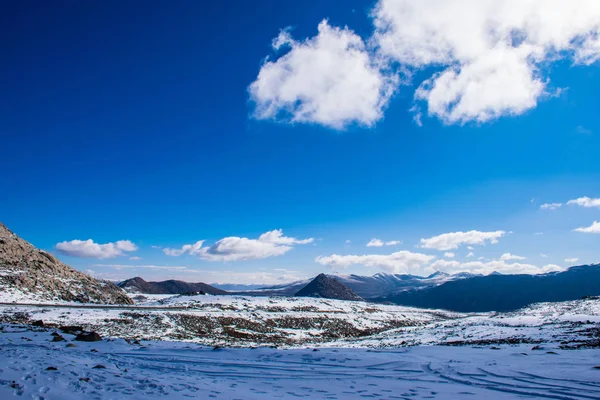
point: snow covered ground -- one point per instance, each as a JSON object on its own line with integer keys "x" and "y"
{"x": 115, "y": 369}
{"x": 240, "y": 347}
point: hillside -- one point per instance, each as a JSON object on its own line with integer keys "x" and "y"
{"x": 139, "y": 285}
{"x": 497, "y": 292}
{"x": 31, "y": 275}
{"x": 328, "y": 288}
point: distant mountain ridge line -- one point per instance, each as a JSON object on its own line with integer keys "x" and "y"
{"x": 139, "y": 285}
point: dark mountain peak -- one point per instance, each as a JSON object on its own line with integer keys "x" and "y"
{"x": 328, "y": 287}
{"x": 139, "y": 285}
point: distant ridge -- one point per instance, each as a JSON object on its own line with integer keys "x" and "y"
{"x": 139, "y": 285}
{"x": 497, "y": 292}
{"x": 328, "y": 288}
{"x": 28, "y": 274}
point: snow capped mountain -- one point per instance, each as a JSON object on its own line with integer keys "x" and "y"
{"x": 498, "y": 292}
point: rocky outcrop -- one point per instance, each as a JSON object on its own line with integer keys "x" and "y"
{"x": 28, "y": 273}
{"x": 328, "y": 288}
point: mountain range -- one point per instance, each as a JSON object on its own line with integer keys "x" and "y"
{"x": 496, "y": 292}
{"x": 139, "y": 285}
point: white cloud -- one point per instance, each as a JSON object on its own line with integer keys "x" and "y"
{"x": 89, "y": 249}
{"x": 135, "y": 258}
{"x": 594, "y": 228}
{"x": 399, "y": 262}
{"x": 470, "y": 254}
{"x": 491, "y": 60}
{"x": 233, "y": 248}
{"x": 538, "y": 233}
{"x": 508, "y": 257}
{"x": 330, "y": 79}
{"x": 276, "y": 237}
{"x": 543, "y": 255}
{"x": 380, "y": 243}
{"x": 491, "y": 53}
{"x": 449, "y": 254}
{"x": 551, "y": 206}
{"x": 485, "y": 268}
{"x": 191, "y": 249}
{"x": 452, "y": 240}
{"x": 585, "y": 202}
{"x": 571, "y": 260}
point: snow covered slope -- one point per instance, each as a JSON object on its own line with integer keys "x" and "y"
{"x": 33, "y": 367}
{"x": 29, "y": 275}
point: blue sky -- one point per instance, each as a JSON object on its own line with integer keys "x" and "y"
{"x": 334, "y": 121}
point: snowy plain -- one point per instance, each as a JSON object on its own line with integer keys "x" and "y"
{"x": 116, "y": 369}
{"x": 229, "y": 347}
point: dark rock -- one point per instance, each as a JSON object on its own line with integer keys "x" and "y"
{"x": 537, "y": 348}
{"x": 51, "y": 369}
{"x": 99, "y": 366}
{"x": 84, "y": 379}
{"x": 58, "y": 338}
{"x": 88, "y": 337}
{"x": 38, "y": 323}
{"x": 70, "y": 345}
{"x": 71, "y": 329}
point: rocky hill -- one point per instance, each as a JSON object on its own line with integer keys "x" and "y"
{"x": 328, "y": 288}
{"x": 31, "y": 275}
{"x": 138, "y": 285}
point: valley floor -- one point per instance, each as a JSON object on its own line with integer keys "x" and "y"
{"x": 115, "y": 369}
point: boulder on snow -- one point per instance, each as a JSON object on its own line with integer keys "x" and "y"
{"x": 88, "y": 337}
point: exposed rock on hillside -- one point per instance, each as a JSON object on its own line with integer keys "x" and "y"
{"x": 328, "y": 288}
{"x": 29, "y": 274}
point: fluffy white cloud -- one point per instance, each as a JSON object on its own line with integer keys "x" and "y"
{"x": 449, "y": 254}
{"x": 485, "y": 268}
{"x": 551, "y": 206}
{"x": 490, "y": 59}
{"x": 380, "y": 243}
{"x": 571, "y": 260}
{"x": 594, "y": 228}
{"x": 470, "y": 254}
{"x": 330, "y": 79}
{"x": 508, "y": 257}
{"x": 452, "y": 240}
{"x": 233, "y": 248}
{"x": 585, "y": 202}
{"x": 490, "y": 53}
{"x": 89, "y": 249}
{"x": 398, "y": 262}
{"x": 135, "y": 258}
